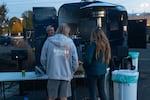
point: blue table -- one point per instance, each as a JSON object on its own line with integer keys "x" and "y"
{"x": 17, "y": 76}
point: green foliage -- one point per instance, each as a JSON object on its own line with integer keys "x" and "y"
{"x": 3, "y": 12}
{"x": 27, "y": 19}
{"x": 3, "y": 19}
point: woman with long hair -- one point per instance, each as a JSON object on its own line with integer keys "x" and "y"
{"x": 96, "y": 62}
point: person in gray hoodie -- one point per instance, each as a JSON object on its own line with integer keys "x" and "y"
{"x": 59, "y": 58}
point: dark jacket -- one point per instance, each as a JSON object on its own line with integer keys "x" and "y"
{"x": 91, "y": 65}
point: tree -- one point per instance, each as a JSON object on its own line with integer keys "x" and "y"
{"x": 3, "y": 19}
{"x": 27, "y": 19}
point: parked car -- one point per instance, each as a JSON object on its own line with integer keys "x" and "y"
{"x": 5, "y": 40}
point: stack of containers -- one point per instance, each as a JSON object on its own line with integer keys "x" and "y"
{"x": 125, "y": 81}
{"x": 134, "y": 56}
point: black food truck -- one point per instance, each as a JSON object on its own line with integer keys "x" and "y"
{"x": 83, "y": 17}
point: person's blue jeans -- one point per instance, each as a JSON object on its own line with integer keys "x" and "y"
{"x": 97, "y": 83}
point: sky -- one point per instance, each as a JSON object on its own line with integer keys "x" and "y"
{"x": 17, "y": 7}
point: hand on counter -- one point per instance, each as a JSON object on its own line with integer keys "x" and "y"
{"x": 80, "y": 62}
{"x": 80, "y": 68}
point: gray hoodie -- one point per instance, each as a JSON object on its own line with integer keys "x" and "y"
{"x": 59, "y": 57}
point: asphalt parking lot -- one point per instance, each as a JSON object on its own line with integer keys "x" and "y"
{"x": 144, "y": 70}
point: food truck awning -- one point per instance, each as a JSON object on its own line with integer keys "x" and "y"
{"x": 99, "y": 4}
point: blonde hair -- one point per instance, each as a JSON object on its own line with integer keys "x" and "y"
{"x": 102, "y": 45}
{"x": 63, "y": 29}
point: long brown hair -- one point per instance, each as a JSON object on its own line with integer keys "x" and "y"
{"x": 102, "y": 45}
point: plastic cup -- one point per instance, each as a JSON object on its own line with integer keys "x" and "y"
{"x": 23, "y": 73}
